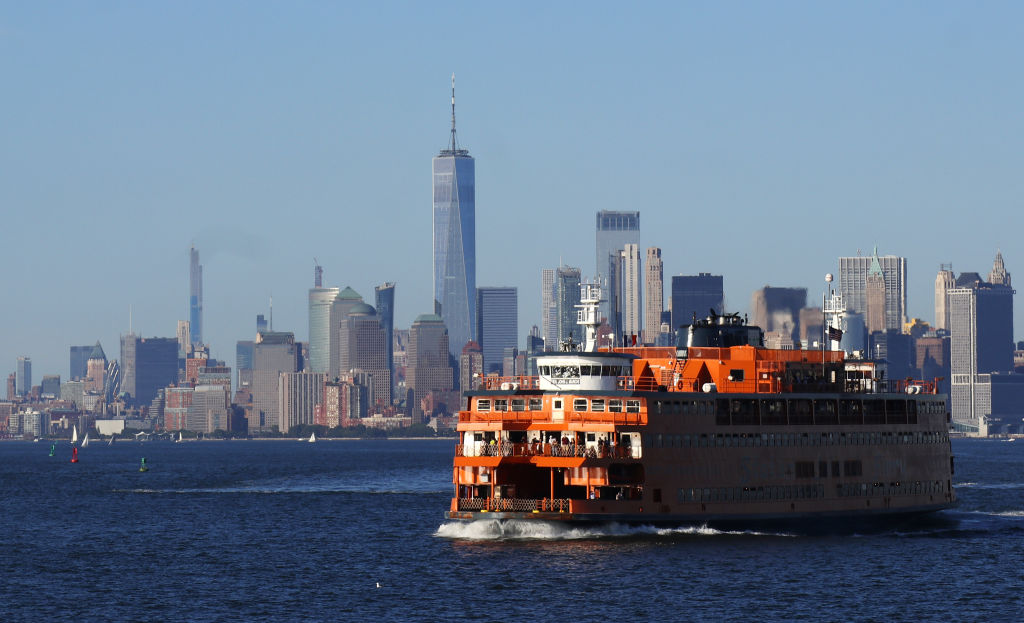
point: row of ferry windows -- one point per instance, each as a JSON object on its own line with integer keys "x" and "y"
{"x": 597, "y": 405}
{"x": 796, "y": 492}
{"x": 775, "y": 440}
{"x": 799, "y": 408}
{"x": 574, "y": 371}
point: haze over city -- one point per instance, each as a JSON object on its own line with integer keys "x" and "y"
{"x": 759, "y": 144}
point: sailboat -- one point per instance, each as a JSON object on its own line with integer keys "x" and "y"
{"x": 74, "y": 434}
{"x": 85, "y": 440}
{"x": 179, "y": 439}
{"x": 110, "y": 442}
{"x": 312, "y": 438}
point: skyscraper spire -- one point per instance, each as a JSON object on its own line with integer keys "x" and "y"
{"x": 453, "y": 113}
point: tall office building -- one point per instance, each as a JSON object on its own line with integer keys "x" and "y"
{"x": 321, "y": 300}
{"x": 654, "y": 303}
{"x": 209, "y": 410}
{"x": 853, "y": 281}
{"x": 874, "y": 298}
{"x": 148, "y": 364}
{"x": 999, "y": 276}
{"x": 981, "y": 352}
{"x": 343, "y": 302}
{"x": 299, "y": 393}
{"x": 695, "y": 294}
{"x": 455, "y": 240}
{"x": 184, "y": 334}
{"x": 777, "y": 310}
{"x": 195, "y": 296}
{"x": 24, "y": 375}
{"x": 364, "y": 348}
{"x": 567, "y": 297}
{"x": 385, "y": 302}
{"x": 944, "y": 282}
{"x": 632, "y": 291}
{"x": 497, "y": 324}
{"x": 50, "y": 385}
{"x": 428, "y": 367}
{"x": 96, "y": 369}
{"x": 273, "y": 353}
{"x": 614, "y": 231}
{"x": 471, "y": 367}
{"x": 78, "y": 362}
{"x": 548, "y": 308}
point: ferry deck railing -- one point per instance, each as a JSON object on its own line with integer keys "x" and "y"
{"x": 509, "y": 449}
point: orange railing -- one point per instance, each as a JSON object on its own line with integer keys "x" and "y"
{"x": 505, "y": 449}
{"x": 521, "y": 505}
{"x": 585, "y": 417}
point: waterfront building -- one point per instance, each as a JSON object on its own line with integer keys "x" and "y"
{"x": 853, "y": 282}
{"x": 428, "y": 367}
{"x": 24, "y": 376}
{"x": 548, "y": 308}
{"x": 454, "y": 234}
{"x": 78, "y": 368}
{"x": 195, "y": 296}
{"x": 273, "y": 353}
{"x": 497, "y": 324}
{"x": 944, "y": 282}
{"x": 694, "y": 295}
{"x": 210, "y": 409}
{"x": 321, "y": 300}
{"x": 654, "y": 301}
{"x": 176, "y": 403}
{"x": 385, "y": 304}
{"x": 567, "y": 297}
{"x": 299, "y": 395}
{"x": 614, "y": 230}
{"x": 147, "y": 364}
{"x": 981, "y": 353}
{"x": 632, "y": 291}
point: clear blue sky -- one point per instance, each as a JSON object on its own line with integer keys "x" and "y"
{"x": 758, "y": 140}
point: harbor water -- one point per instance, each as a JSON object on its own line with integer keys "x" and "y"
{"x": 353, "y": 530}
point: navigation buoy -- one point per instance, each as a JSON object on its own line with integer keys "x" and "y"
{"x": 52, "y": 448}
{"x": 74, "y": 455}
{"x": 143, "y": 468}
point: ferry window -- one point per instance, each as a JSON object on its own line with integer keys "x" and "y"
{"x": 545, "y": 370}
{"x": 579, "y": 404}
{"x": 584, "y": 370}
{"x": 557, "y": 403}
{"x": 518, "y": 404}
{"x": 597, "y": 405}
{"x": 658, "y": 441}
{"x": 483, "y": 404}
{"x": 615, "y": 406}
{"x": 835, "y": 469}
{"x": 536, "y": 404}
{"x": 633, "y": 406}
{"x": 736, "y": 375}
{"x": 606, "y": 370}
{"x": 804, "y": 469}
{"x": 500, "y": 404}
{"x": 822, "y": 469}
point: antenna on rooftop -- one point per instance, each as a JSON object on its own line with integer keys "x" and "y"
{"x": 318, "y": 274}
{"x": 453, "y": 112}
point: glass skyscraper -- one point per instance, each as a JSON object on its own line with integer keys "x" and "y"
{"x": 320, "y": 302}
{"x": 497, "y": 324}
{"x": 195, "y": 297}
{"x": 455, "y": 240}
{"x": 614, "y": 231}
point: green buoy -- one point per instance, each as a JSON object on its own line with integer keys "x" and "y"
{"x": 143, "y": 468}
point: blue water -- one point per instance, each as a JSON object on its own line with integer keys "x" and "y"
{"x": 290, "y": 531}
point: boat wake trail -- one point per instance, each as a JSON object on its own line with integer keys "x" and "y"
{"x": 535, "y": 530}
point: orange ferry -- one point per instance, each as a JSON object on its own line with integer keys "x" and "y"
{"x": 719, "y": 429}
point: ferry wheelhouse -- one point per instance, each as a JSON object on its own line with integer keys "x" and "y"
{"x": 717, "y": 429}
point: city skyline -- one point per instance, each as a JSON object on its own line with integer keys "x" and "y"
{"x": 844, "y": 160}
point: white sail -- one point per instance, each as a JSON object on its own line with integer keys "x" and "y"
{"x": 74, "y": 434}
{"x": 85, "y": 440}
{"x": 312, "y": 438}
{"x": 179, "y": 437}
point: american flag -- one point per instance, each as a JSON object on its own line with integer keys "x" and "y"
{"x": 834, "y": 334}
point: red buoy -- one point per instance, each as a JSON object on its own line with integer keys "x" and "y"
{"x": 74, "y": 455}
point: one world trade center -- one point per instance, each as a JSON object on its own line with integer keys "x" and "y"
{"x": 455, "y": 240}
